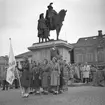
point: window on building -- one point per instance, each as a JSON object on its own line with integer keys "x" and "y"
{"x": 79, "y": 58}
{"x": 100, "y": 54}
{"x": 89, "y": 57}
{"x": 21, "y": 62}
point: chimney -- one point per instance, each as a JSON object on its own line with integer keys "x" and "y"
{"x": 99, "y": 32}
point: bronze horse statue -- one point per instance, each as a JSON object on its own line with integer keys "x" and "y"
{"x": 56, "y": 25}
{"x": 57, "y": 22}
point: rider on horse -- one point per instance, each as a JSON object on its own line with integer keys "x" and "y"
{"x": 49, "y": 15}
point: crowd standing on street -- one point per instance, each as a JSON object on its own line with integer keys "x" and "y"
{"x": 53, "y": 76}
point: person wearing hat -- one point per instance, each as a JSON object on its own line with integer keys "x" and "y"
{"x": 49, "y": 14}
{"x": 45, "y": 76}
{"x": 55, "y": 73}
{"x": 43, "y": 31}
{"x": 25, "y": 79}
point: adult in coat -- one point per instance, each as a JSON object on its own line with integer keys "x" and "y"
{"x": 66, "y": 75}
{"x": 77, "y": 71}
{"x": 55, "y": 73}
{"x": 36, "y": 78}
{"x": 45, "y": 76}
{"x": 61, "y": 65}
{"x": 25, "y": 77}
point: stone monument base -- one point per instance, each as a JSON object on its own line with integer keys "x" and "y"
{"x": 41, "y": 51}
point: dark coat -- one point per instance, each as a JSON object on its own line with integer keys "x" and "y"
{"x": 45, "y": 76}
{"x": 42, "y": 28}
{"x": 36, "y": 80}
{"x": 25, "y": 78}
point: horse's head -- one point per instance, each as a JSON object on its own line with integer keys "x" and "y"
{"x": 62, "y": 14}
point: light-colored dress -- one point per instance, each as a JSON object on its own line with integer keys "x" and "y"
{"x": 55, "y": 80}
{"x": 86, "y": 71}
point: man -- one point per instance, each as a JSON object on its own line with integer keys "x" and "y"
{"x": 4, "y": 82}
{"x": 55, "y": 52}
{"x": 49, "y": 14}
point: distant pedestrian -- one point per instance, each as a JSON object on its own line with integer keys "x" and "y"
{"x": 4, "y": 82}
{"x": 86, "y": 71}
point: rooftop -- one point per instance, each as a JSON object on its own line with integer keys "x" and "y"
{"x": 91, "y": 41}
{"x": 29, "y": 54}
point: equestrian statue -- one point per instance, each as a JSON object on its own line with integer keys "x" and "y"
{"x": 52, "y": 21}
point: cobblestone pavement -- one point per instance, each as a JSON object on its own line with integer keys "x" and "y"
{"x": 81, "y": 95}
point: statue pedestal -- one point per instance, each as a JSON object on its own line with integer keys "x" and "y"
{"x": 41, "y": 51}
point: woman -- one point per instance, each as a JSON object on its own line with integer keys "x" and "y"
{"x": 86, "y": 71}
{"x": 61, "y": 65}
{"x": 36, "y": 78}
{"x": 25, "y": 80}
{"x": 45, "y": 76}
{"x": 55, "y": 73}
{"x": 66, "y": 76}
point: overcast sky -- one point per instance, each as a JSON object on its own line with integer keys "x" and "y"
{"x": 18, "y": 21}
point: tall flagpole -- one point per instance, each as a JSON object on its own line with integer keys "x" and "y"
{"x": 16, "y": 69}
{"x": 19, "y": 81}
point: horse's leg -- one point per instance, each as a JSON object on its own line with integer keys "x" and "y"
{"x": 48, "y": 38}
{"x": 42, "y": 39}
{"x": 45, "y": 39}
{"x": 39, "y": 39}
{"x": 58, "y": 31}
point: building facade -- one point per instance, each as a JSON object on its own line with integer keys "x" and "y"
{"x": 3, "y": 65}
{"x": 19, "y": 58}
{"x": 90, "y": 49}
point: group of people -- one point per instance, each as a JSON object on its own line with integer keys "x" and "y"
{"x": 51, "y": 76}
{"x": 80, "y": 72}
{"x": 87, "y": 73}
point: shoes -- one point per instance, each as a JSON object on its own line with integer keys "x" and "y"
{"x": 37, "y": 92}
{"x": 56, "y": 92}
{"x": 45, "y": 92}
{"x": 61, "y": 91}
{"x": 25, "y": 95}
